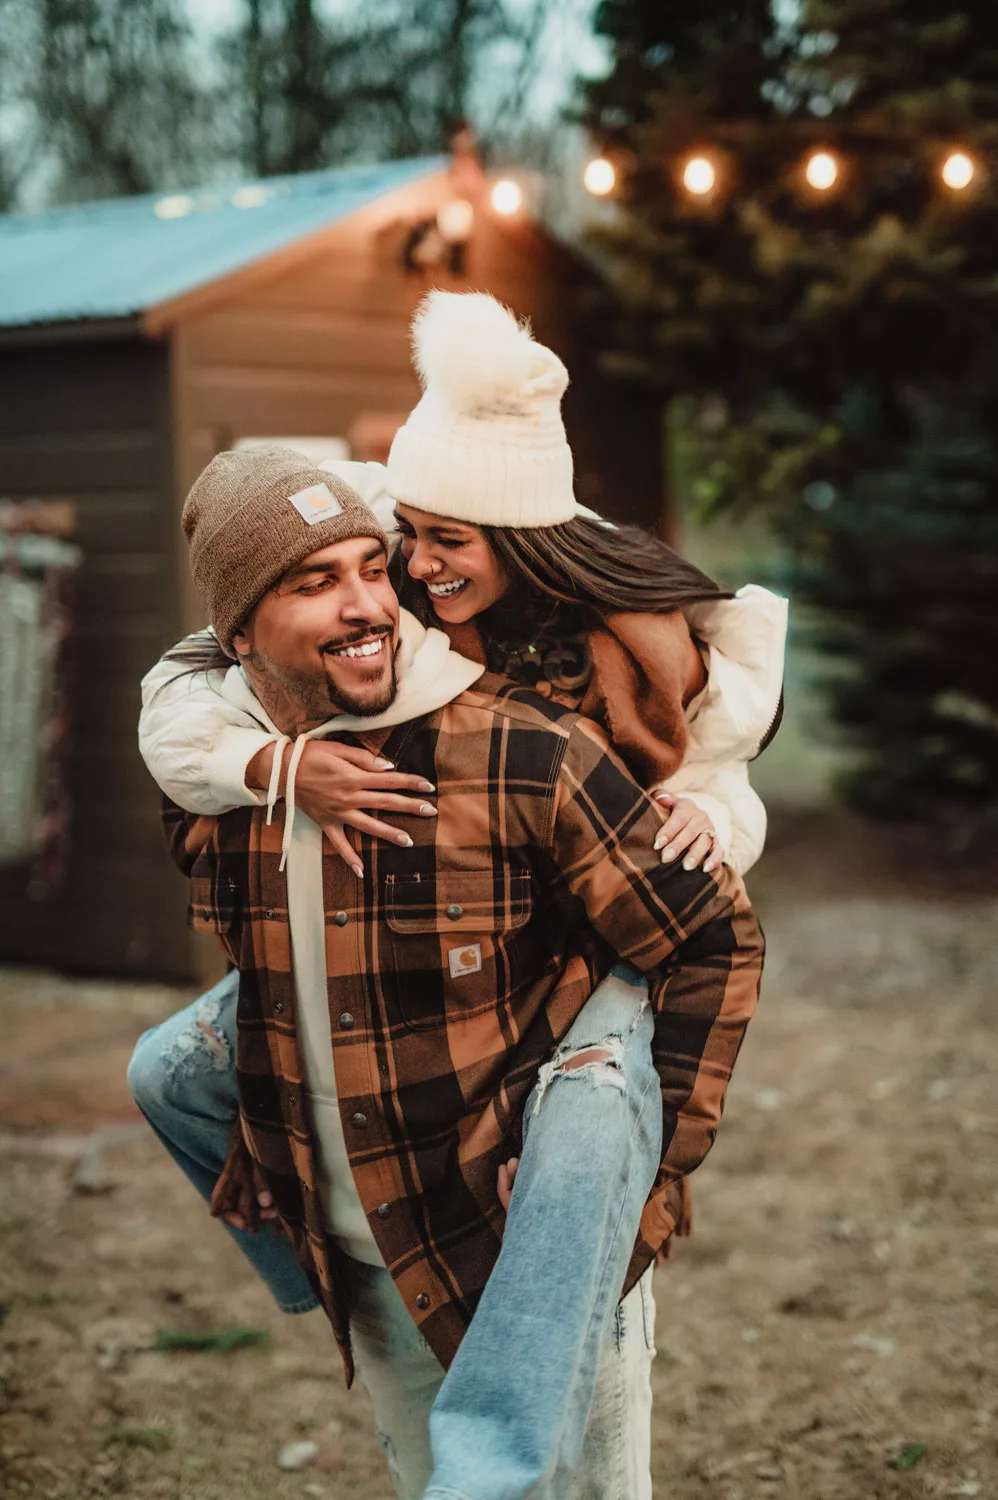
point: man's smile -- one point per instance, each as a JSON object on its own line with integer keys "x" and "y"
{"x": 365, "y": 647}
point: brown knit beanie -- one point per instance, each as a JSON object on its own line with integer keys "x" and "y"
{"x": 251, "y": 516}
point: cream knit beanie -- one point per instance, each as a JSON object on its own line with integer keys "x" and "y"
{"x": 486, "y": 443}
{"x": 253, "y": 514}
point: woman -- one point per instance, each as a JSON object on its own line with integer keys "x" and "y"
{"x": 495, "y": 550}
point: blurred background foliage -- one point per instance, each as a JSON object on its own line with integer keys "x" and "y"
{"x": 107, "y": 97}
{"x": 827, "y": 359}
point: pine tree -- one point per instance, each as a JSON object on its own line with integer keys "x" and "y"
{"x": 313, "y": 87}
{"x": 118, "y": 105}
{"x": 852, "y": 332}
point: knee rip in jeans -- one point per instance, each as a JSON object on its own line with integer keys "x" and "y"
{"x": 600, "y": 1064}
{"x": 203, "y": 1041}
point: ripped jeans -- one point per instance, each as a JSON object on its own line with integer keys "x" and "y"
{"x": 549, "y": 1395}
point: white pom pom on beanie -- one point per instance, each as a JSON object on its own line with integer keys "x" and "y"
{"x": 486, "y": 443}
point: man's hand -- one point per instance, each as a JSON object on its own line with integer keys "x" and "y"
{"x": 689, "y": 828}
{"x": 240, "y": 1197}
{"x": 335, "y": 782}
{"x": 507, "y": 1176}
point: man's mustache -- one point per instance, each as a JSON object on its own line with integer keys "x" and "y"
{"x": 355, "y": 636}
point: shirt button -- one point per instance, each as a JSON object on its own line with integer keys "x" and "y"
{"x": 359, "y": 1120}
{"x": 278, "y": 1006}
{"x": 270, "y": 913}
{"x": 385, "y": 1211}
{"x": 291, "y": 1101}
{"x": 341, "y": 919}
{"x": 347, "y": 1021}
{"x": 422, "y": 1301}
{"x": 454, "y": 911}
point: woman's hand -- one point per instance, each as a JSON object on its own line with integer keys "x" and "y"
{"x": 336, "y": 782}
{"x": 689, "y": 828}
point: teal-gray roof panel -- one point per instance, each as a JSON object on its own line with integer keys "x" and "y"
{"x": 114, "y": 259}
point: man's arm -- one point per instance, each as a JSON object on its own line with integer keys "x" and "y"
{"x": 694, "y": 935}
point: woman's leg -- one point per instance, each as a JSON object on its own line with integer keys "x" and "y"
{"x": 513, "y": 1410}
{"x": 183, "y": 1078}
{"x": 616, "y": 1454}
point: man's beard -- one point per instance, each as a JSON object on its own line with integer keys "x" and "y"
{"x": 305, "y": 699}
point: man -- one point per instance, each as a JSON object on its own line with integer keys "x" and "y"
{"x": 391, "y": 1032}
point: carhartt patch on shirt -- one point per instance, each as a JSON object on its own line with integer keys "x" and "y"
{"x": 317, "y": 503}
{"x": 465, "y": 960}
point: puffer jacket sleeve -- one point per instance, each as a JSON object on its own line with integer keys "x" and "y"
{"x": 196, "y": 742}
{"x": 745, "y": 639}
{"x": 736, "y": 810}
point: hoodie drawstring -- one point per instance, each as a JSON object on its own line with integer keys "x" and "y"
{"x": 289, "y": 796}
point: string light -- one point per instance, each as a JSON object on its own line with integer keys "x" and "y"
{"x": 958, "y": 171}
{"x": 699, "y": 176}
{"x": 822, "y": 171}
{"x": 456, "y": 220}
{"x": 507, "y": 197}
{"x": 600, "y": 177}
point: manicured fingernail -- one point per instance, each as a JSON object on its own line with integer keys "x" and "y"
{"x": 405, "y": 841}
{"x": 689, "y": 864}
{"x": 668, "y": 854}
{"x": 427, "y": 809}
{"x": 358, "y": 870}
{"x": 658, "y": 841}
{"x": 384, "y": 765}
{"x": 427, "y": 786}
{"x": 264, "y": 1200}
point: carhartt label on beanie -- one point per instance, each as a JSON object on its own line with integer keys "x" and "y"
{"x": 254, "y": 514}
{"x": 486, "y": 443}
{"x": 316, "y": 504}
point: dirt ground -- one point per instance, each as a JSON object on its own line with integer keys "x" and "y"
{"x": 830, "y": 1332}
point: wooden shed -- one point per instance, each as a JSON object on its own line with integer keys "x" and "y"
{"x": 140, "y": 337}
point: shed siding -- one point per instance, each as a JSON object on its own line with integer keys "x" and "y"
{"x": 90, "y": 422}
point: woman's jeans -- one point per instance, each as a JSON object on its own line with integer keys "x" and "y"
{"x": 551, "y": 1379}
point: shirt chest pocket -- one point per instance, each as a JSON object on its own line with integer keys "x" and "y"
{"x": 457, "y": 943}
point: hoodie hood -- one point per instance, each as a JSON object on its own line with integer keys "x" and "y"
{"x": 430, "y": 673}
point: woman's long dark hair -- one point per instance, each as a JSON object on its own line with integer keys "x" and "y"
{"x": 196, "y": 653}
{"x": 604, "y": 570}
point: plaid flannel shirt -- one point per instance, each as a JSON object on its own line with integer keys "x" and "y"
{"x": 455, "y": 968}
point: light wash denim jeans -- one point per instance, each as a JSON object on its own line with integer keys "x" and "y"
{"x": 405, "y": 1384}
{"x": 549, "y": 1395}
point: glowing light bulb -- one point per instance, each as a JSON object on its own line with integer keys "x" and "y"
{"x": 600, "y": 177}
{"x": 822, "y": 171}
{"x": 958, "y": 171}
{"x": 507, "y": 197}
{"x": 456, "y": 220}
{"x": 699, "y": 175}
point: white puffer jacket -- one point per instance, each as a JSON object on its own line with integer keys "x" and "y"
{"x": 197, "y": 740}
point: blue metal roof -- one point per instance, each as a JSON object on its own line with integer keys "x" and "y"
{"x": 114, "y": 259}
